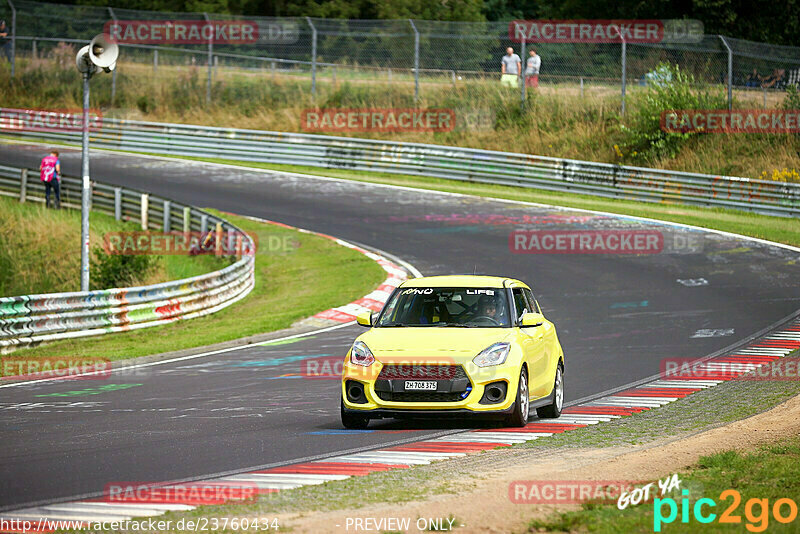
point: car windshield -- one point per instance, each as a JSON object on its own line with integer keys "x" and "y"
{"x": 454, "y": 307}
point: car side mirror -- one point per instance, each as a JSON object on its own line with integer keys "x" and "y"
{"x": 531, "y": 319}
{"x": 364, "y": 319}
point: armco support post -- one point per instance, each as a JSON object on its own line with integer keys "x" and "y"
{"x": 23, "y": 185}
{"x": 167, "y": 215}
{"x": 144, "y": 208}
{"x": 187, "y": 219}
{"x": 218, "y": 244}
{"x": 118, "y": 203}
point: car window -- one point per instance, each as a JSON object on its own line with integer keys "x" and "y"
{"x": 532, "y": 304}
{"x": 519, "y": 301}
{"x": 446, "y": 307}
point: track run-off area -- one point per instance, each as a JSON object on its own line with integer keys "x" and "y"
{"x": 619, "y": 317}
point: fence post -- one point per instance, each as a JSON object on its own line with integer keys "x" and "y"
{"x": 34, "y": 51}
{"x": 118, "y": 203}
{"x": 155, "y": 61}
{"x": 23, "y": 186}
{"x": 144, "y": 208}
{"x": 167, "y": 219}
{"x": 581, "y": 86}
{"x": 416, "y": 60}
{"x": 203, "y": 223}
{"x": 334, "y": 76}
{"x": 273, "y": 71}
{"x": 187, "y": 219}
{"x": 313, "y": 56}
{"x": 730, "y": 72}
{"x": 13, "y": 37}
{"x": 114, "y": 72}
{"x": 624, "y": 70}
{"x": 210, "y": 60}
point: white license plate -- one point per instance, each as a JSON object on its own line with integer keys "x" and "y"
{"x": 420, "y": 385}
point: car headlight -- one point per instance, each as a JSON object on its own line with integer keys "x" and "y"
{"x": 493, "y": 355}
{"x": 361, "y": 355}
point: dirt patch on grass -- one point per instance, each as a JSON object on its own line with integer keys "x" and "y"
{"x": 480, "y": 503}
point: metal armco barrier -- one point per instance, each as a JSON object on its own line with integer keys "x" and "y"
{"x": 32, "y": 319}
{"x": 472, "y": 165}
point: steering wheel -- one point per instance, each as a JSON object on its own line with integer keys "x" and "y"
{"x": 487, "y": 318}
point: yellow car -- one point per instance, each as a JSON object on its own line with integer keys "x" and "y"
{"x": 453, "y": 346}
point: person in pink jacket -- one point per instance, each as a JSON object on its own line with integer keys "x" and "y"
{"x": 50, "y": 174}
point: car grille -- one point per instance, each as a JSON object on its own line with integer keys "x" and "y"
{"x": 452, "y": 381}
{"x": 419, "y": 396}
{"x": 422, "y": 372}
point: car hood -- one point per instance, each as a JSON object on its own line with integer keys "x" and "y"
{"x": 440, "y": 344}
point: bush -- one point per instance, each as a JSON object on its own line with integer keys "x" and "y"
{"x": 118, "y": 270}
{"x": 792, "y": 99}
{"x": 644, "y": 140}
{"x": 146, "y": 104}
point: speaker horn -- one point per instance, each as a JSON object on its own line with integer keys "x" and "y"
{"x": 83, "y": 62}
{"x": 103, "y": 52}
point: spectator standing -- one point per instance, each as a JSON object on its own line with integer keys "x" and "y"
{"x": 532, "y": 70}
{"x": 754, "y": 80}
{"x": 50, "y": 174}
{"x": 510, "y": 66}
{"x": 775, "y": 80}
{"x": 5, "y": 42}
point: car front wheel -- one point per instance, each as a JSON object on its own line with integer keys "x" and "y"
{"x": 519, "y": 417}
{"x": 353, "y": 421}
{"x": 553, "y": 410}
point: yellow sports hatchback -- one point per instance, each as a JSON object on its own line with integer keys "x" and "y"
{"x": 453, "y": 346}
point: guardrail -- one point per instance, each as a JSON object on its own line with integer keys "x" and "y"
{"x": 32, "y": 319}
{"x": 466, "y": 164}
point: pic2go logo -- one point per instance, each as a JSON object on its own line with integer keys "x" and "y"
{"x": 756, "y": 511}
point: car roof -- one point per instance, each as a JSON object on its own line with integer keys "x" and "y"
{"x": 463, "y": 280}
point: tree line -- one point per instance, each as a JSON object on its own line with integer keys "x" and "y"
{"x": 770, "y": 21}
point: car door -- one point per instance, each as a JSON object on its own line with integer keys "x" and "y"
{"x": 539, "y": 378}
{"x": 532, "y": 346}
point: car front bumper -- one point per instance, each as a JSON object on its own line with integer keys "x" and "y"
{"x": 380, "y": 396}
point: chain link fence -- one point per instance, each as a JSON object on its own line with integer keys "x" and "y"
{"x": 416, "y": 56}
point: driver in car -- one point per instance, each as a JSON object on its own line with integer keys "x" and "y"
{"x": 487, "y": 308}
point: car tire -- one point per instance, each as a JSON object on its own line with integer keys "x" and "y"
{"x": 522, "y": 404}
{"x": 552, "y": 411}
{"x": 353, "y": 421}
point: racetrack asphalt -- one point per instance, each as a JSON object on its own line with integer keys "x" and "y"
{"x": 618, "y": 316}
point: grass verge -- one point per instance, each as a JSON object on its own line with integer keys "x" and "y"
{"x": 40, "y": 250}
{"x": 766, "y": 475}
{"x": 292, "y": 282}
